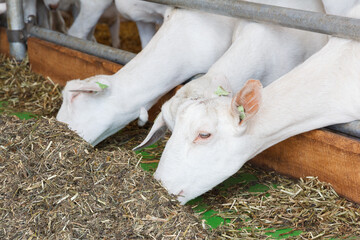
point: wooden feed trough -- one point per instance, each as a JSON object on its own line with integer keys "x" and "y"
{"x": 333, "y": 157}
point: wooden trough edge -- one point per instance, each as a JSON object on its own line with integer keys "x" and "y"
{"x": 62, "y": 64}
{"x": 332, "y": 157}
{"x": 4, "y": 44}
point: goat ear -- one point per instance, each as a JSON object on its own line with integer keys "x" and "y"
{"x": 76, "y": 87}
{"x": 88, "y": 87}
{"x": 246, "y": 102}
{"x": 157, "y": 131}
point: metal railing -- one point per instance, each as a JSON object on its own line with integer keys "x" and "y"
{"x": 287, "y": 17}
{"x": 92, "y": 48}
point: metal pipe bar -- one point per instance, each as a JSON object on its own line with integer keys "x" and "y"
{"x": 352, "y": 128}
{"x": 15, "y": 23}
{"x": 96, "y": 49}
{"x": 287, "y": 17}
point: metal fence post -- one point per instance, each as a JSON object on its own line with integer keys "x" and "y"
{"x": 15, "y": 32}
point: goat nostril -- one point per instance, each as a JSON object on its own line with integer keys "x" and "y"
{"x": 53, "y": 6}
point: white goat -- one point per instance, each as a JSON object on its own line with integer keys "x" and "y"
{"x": 145, "y": 14}
{"x": 212, "y": 139}
{"x": 89, "y": 15}
{"x": 188, "y": 42}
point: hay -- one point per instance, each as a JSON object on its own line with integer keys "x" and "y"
{"x": 306, "y": 205}
{"x": 55, "y": 186}
{"x": 21, "y": 90}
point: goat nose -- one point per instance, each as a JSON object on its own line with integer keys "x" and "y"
{"x": 53, "y": 6}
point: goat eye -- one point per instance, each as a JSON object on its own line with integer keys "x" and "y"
{"x": 204, "y": 135}
{"x": 201, "y": 137}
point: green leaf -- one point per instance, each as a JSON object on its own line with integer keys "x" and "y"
{"x": 220, "y": 91}
{"x": 101, "y": 85}
{"x": 242, "y": 112}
